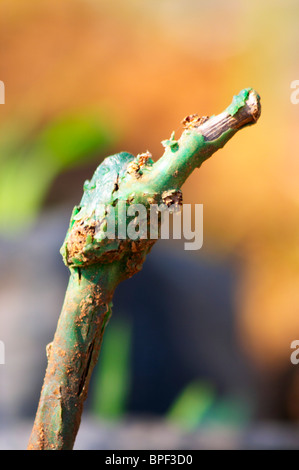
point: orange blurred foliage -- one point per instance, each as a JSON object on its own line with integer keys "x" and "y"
{"x": 148, "y": 64}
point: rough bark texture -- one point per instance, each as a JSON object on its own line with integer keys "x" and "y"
{"x": 98, "y": 263}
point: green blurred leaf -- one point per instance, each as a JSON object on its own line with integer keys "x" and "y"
{"x": 190, "y": 407}
{"x": 229, "y": 411}
{"x": 31, "y": 159}
{"x": 198, "y": 405}
{"x": 70, "y": 139}
{"x": 113, "y": 372}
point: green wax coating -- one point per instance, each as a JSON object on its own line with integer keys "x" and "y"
{"x": 239, "y": 101}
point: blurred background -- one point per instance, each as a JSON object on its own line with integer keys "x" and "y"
{"x": 197, "y": 353}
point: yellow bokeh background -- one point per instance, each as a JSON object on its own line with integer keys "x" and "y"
{"x": 147, "y": 65}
